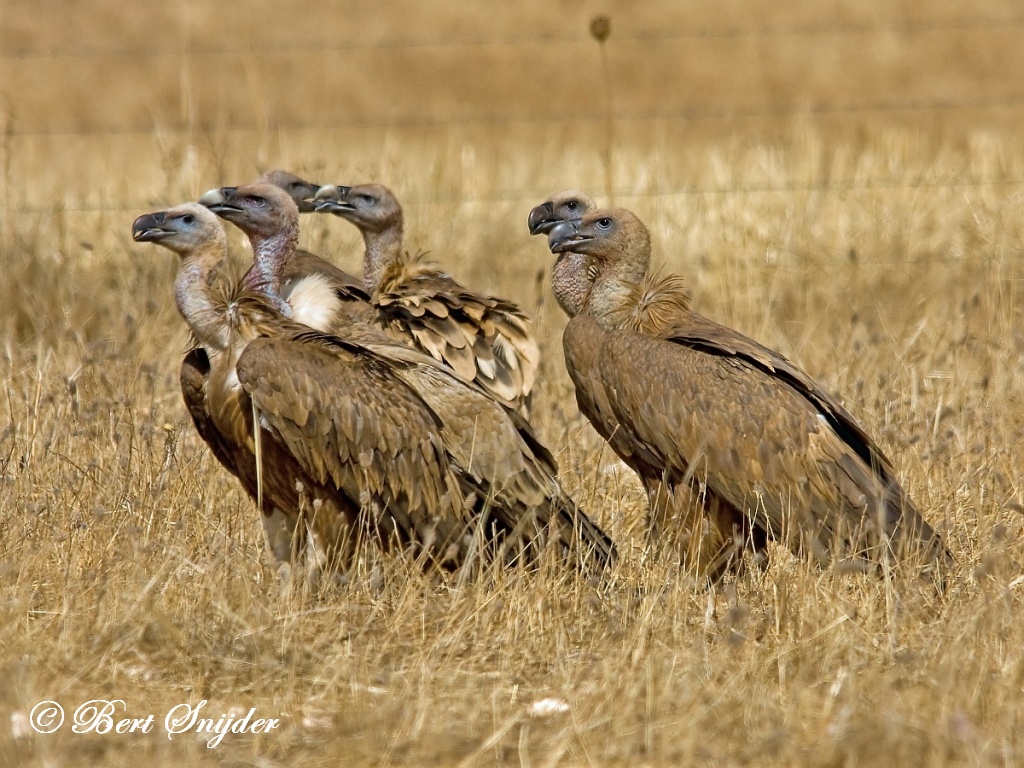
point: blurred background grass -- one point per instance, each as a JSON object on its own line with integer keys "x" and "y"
{"x": 840, "y": 180}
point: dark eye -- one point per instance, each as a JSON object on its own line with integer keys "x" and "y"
{"x": 256, "y": 202}
{"x": 572, "y": 205}
{"x": 366, "y": 200}
{"x": 605, "y": 223}
{"x": 188, "y": 218}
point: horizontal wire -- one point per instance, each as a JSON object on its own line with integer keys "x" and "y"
{"x": 920, "y": 26}
{"x": 524, "y": 196}
{"x": 1009, "y": 101}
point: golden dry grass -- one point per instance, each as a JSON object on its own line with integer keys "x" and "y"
{"x": 879, "y": 250}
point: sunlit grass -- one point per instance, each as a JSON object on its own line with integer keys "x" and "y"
{"x": 884, "y": 261}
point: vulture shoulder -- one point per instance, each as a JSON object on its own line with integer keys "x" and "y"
{"x": 303, "y": 263}
{"x": 701, "y": 334}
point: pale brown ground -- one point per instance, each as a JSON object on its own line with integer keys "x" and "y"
{"x": 841, "y": 181}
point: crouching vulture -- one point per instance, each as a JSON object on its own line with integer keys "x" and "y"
{"x": 689, "y": 402}
{"x": 507, "y": 480}
{"x": 484, "y": 338}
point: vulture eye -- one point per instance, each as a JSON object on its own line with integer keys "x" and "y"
{"x": 188, "y": 218}
{"x": 604, "y": 223}
{"x": 256, "y": 202}
{"x": 572, "y": 205}
{"x": 366, "y": 199}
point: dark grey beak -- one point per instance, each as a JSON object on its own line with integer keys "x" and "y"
{"x": 564, "y": 235}
{"x": 149, "y": 228}
{"x": 542, "y": 219}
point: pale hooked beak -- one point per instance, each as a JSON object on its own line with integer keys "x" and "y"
{"x": 217, "y": 200}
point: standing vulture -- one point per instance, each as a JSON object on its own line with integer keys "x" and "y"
{"x": 681, "y": 398}
{"x": 483, "y": 338}
{"x": 672, "y": 505}
{"x": 493, "y": 452}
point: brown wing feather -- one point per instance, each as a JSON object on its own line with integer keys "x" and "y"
{"x": 700, "y": 333}
{"x": 761, "y": 434}
{"x": 349, "y": 423}
{"x": 195, "y": 376}
{"x": 480, "y": 337}
{"x": 498, "y": 457}
{"x": 449, "y": 322}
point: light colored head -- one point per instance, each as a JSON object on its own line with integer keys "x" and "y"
{"x": 570, "y": 205}
{"x": 370, "y": 207}
{"x": 260, "y": 210}
{"x": 599, "y": 258}
{"x": 186, "y": 229}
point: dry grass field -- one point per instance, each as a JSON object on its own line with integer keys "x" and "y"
{"x": 841, "y": 181}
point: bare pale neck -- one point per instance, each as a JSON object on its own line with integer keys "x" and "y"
{"x": 382, "y": 251}
{"x": 569, "y": 283}
{"x": 271, "y": 257}
{"x": 196, "y": 299}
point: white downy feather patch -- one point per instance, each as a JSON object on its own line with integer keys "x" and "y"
{"x": 313, "y": 301}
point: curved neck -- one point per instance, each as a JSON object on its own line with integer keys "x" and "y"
{"x": 569, "y": 283}
{"x": 271, "y": 257}
{"x": 195, "y": 299}
{"x": 382, "y": 250}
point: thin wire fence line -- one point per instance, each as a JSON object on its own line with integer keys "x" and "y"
{"x": 1010, "y": 101}
{"x": 535, "y": 195}
{"x": 918, "y": 26}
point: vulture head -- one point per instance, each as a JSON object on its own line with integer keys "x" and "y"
{"x": 601, "y": 257}
{"x": 609, "y": 235}
{"x": 370, "y": 207}
{"x": 184, "y": 229}
{"x": 300, "y": 190}
{"x": 570, "y": 205}
{"x": 260, "y": 210}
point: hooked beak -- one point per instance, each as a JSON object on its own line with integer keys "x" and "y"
{"x": 149, "y": 228}
{"x": 217, "y": 201}
{"x": 542, "y": 219}
{"x": 565, "y": 235}
{"x": 308, "y": 204}
{"x": 332, "y": 198}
